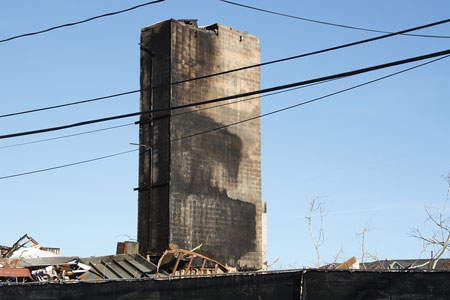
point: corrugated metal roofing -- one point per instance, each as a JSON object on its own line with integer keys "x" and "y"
{"x": 122, "y": 266}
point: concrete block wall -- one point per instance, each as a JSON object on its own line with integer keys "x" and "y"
{"x": 214, "y": 193}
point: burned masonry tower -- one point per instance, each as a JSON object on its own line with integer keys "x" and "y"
{"x": 198, "y": 185}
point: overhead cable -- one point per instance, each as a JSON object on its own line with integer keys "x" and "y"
{"x": 69, "y": 165}
{"x": 79, "y": 22}
{"x": 309, "y": 101}
{"x": 65, "y": 136}
{"x": 247, "y": 94}
{"x": 252, "y": 98}
{"x": 225, "y": 126}
{"x": 68, "y": 104}
{"x": 328, "y": 23}
{"x": 230, "y": 71}
{"x": 137, "y": 122}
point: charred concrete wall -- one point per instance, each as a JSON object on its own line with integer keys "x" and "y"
{"x": 200, "y": 188}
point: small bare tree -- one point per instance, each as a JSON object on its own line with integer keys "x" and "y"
{"x": 415, "y": 265}
{"x": 362, "y": 235}
{"x": 440, "y": 237}
{"x": 337, "y": 257}
{"x": 316, "y": 207}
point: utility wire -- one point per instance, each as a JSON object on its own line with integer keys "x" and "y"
{"x": 230, "y": 71}
{"x": 69, "y": 104}
{"x": 328, "y": 23}
{"x": 252, "y": 98}
{"x": 174, "y": 115}
{"x": 306, "y": 102}
{"x": 247, "y": 94}
{"x": 66, "y": 136}
{"x": 69, "y": 165}
{"x": 79, "y": 22}
{"x": 228, "y": 125}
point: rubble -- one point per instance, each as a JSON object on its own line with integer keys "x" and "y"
{"x": 186, "y": 262}
{"x": 34, "y": 263}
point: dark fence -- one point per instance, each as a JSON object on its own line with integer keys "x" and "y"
{"x": 295, "y": 284}
{"x": 337, "y": 285}
{"x": 254, "y": 286}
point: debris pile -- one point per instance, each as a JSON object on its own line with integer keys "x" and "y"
{"x": 184, "y": 262}
{"x": 28, "y": 261}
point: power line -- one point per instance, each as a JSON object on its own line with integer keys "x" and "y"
{"x": 309, "y": 101}
{"x": 328, "y": 23}
{"x": 79, "y": 22}
{"x": 252, "y": 98}
{"x": 174, "y": 115}
{"x": 68, "y": 165}
{"x": 66, "y": 136}
{"x": 68, "y": 104}
{"x": 247, "y": 94}
{"x": 228, "y": 125}
{"x": 230, "y": 71}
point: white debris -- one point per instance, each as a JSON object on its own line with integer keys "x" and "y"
{"x": 31, "y": 252}
{"x": 84, "y": 267}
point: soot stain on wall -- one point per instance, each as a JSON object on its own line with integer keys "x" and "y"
{"x": 203, "y": 199}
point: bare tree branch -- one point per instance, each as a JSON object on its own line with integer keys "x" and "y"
{"x": 440, "y": 238}
{"x": 336, "y": 257}
{"x": 414, "y": 266}
{"x": 316, "y": 207}
{"x": 362, "y": 234}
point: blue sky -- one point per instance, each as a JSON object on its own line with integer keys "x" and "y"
{"x": 374, "y": 156}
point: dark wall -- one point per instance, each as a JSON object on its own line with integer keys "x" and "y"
{"x": 154, "y": 136}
